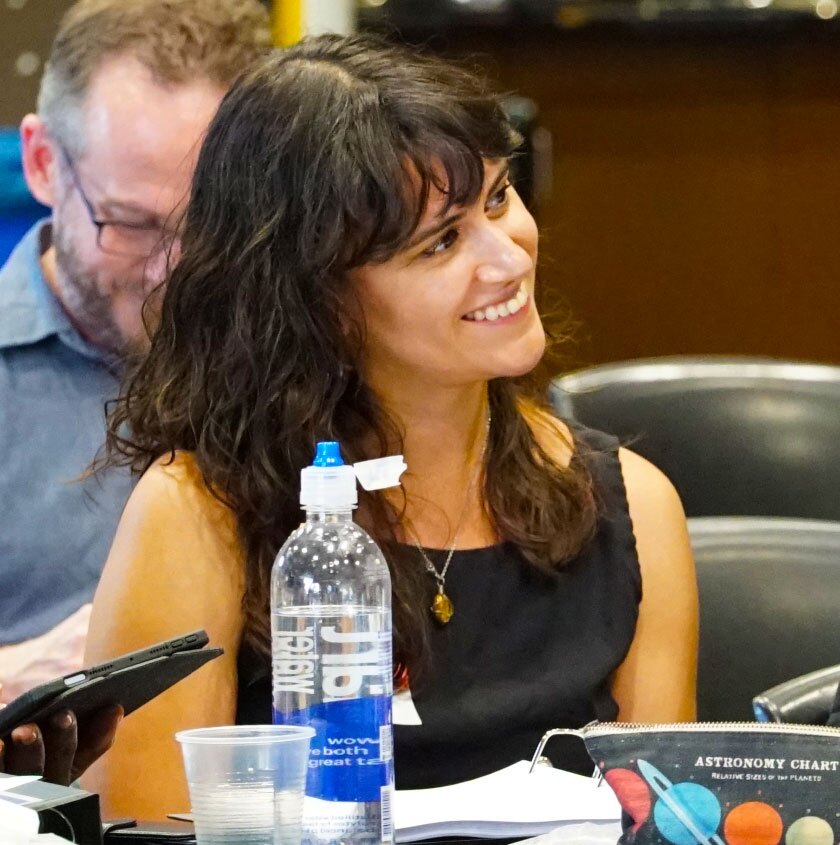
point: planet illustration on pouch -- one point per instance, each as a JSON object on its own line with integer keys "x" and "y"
{"x": 753, "y": 823}
{"x": 633, "y": 793}
{"x": 686, "y": 813}
{"x": 809, "y": 830}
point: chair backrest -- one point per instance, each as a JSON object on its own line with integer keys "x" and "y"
{"x": 769, "y": 603}
{"x": 737, "y": 436}
{"x": 806, "y": 700}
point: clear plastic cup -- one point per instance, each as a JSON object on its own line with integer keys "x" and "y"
{"x": 246, "y": 782}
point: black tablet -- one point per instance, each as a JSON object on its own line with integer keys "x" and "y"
{"x": 130, "y": 680}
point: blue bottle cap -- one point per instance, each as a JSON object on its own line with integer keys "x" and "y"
{"x": 327, "y": 454}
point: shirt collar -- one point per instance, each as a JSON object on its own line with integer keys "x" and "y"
{"x": 29, "y": 310}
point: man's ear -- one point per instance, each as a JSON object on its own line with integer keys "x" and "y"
{"x": 39, "y": 159}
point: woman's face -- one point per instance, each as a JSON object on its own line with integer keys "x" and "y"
{"x": 455, "y": 306}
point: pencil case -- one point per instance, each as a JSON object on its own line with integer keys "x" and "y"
{"x": 719, "y": 783}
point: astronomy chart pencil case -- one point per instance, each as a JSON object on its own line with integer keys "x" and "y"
{"x": 720, "y": 783}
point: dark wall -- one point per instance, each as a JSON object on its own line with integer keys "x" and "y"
{"x": 695, "y": 203}
{"x": 27, "y": 28}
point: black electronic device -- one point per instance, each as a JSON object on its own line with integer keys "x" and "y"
{"x": 129, "y": 680}
{"x": 132, "y": 832}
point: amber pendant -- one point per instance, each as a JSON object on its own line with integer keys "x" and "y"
{"x": 442, "y": 607}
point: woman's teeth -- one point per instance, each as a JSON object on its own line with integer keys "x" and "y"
{"x": 502, "y": 309}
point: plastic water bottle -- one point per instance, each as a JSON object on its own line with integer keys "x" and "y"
{"x": 331, "y": 658}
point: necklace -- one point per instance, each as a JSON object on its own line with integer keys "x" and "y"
{"x": 442, "y": 608}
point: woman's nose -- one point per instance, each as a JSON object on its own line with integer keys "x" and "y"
{"x": 501, "y": 258}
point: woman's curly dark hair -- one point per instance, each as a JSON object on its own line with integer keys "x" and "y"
{"x": 309, "y": 169}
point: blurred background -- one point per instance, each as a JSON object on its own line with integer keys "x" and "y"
{"x": 682, "y": 154}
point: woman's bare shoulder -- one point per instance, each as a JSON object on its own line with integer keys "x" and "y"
{"x": 173, "y": 527}
{"x": 175, "y": 565}
{"x": 173, "y": 491}
{"x": 656, "y": 682}
{"x": 179, "y": 474}
{"x": 648, "y": 488}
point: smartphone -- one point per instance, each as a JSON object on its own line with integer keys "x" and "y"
{"x": 130, "y": 680}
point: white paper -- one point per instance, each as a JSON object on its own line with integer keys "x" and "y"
{"x": 404, "y": 710}
{"x": 510, "y": 802}
{"x": 13, "y": 781}
{"x": 580, "y": 833}
{"x": 18, "y": 824}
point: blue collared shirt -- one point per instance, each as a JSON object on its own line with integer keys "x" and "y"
{"x": 55, "y": 531}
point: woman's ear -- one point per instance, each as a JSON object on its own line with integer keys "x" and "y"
{"x": 38, "y": 159}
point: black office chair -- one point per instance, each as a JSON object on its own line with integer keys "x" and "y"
{"x": 806, "y": 700}
{"x": 754, "y": 437}
{"x": 769, "y": 604}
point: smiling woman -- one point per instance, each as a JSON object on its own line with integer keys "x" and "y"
{"x": 455, "y": 303}
{"x": 357, "y": 267}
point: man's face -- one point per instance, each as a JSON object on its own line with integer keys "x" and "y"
{"x": 141, "y": 142}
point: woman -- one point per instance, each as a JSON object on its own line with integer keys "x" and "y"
{"x": 356, "y": 266}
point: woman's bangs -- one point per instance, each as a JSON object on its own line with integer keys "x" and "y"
{"x": 426, "y": 146}
{"x": 398, "y": 200}
{"x": 451, "y": 168}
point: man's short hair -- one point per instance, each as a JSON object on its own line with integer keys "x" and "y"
{"x": 177, "y": 40}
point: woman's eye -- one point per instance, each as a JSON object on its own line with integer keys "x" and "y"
{"x": 500, "y": 198}
{"x": 443, "y": 243}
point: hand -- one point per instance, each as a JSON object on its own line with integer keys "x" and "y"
{"x": 63, "y": 749}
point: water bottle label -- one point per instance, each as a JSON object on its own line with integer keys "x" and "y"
{"x": 344, "y": 823}
{"x": 351, "y": 754}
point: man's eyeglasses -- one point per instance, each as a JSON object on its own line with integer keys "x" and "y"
{"x": 129, "y": 240}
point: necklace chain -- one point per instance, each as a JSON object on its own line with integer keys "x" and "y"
{"x": 442, "y": 607}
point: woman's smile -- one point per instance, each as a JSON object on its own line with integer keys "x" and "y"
{"x": 503, "y": 309}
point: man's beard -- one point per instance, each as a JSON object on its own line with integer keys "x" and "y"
{"x": 89, "y": 309}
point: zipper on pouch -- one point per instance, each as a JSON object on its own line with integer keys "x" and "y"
{"x": 607, "y": 728}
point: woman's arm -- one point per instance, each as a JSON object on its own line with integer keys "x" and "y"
{"x": 175, "y": 566}
{"x": 657, "y": 680}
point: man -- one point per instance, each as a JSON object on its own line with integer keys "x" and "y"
{"x": 127, "y": 93}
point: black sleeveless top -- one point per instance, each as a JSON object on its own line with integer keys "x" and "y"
{"x": 524, "y": 652}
